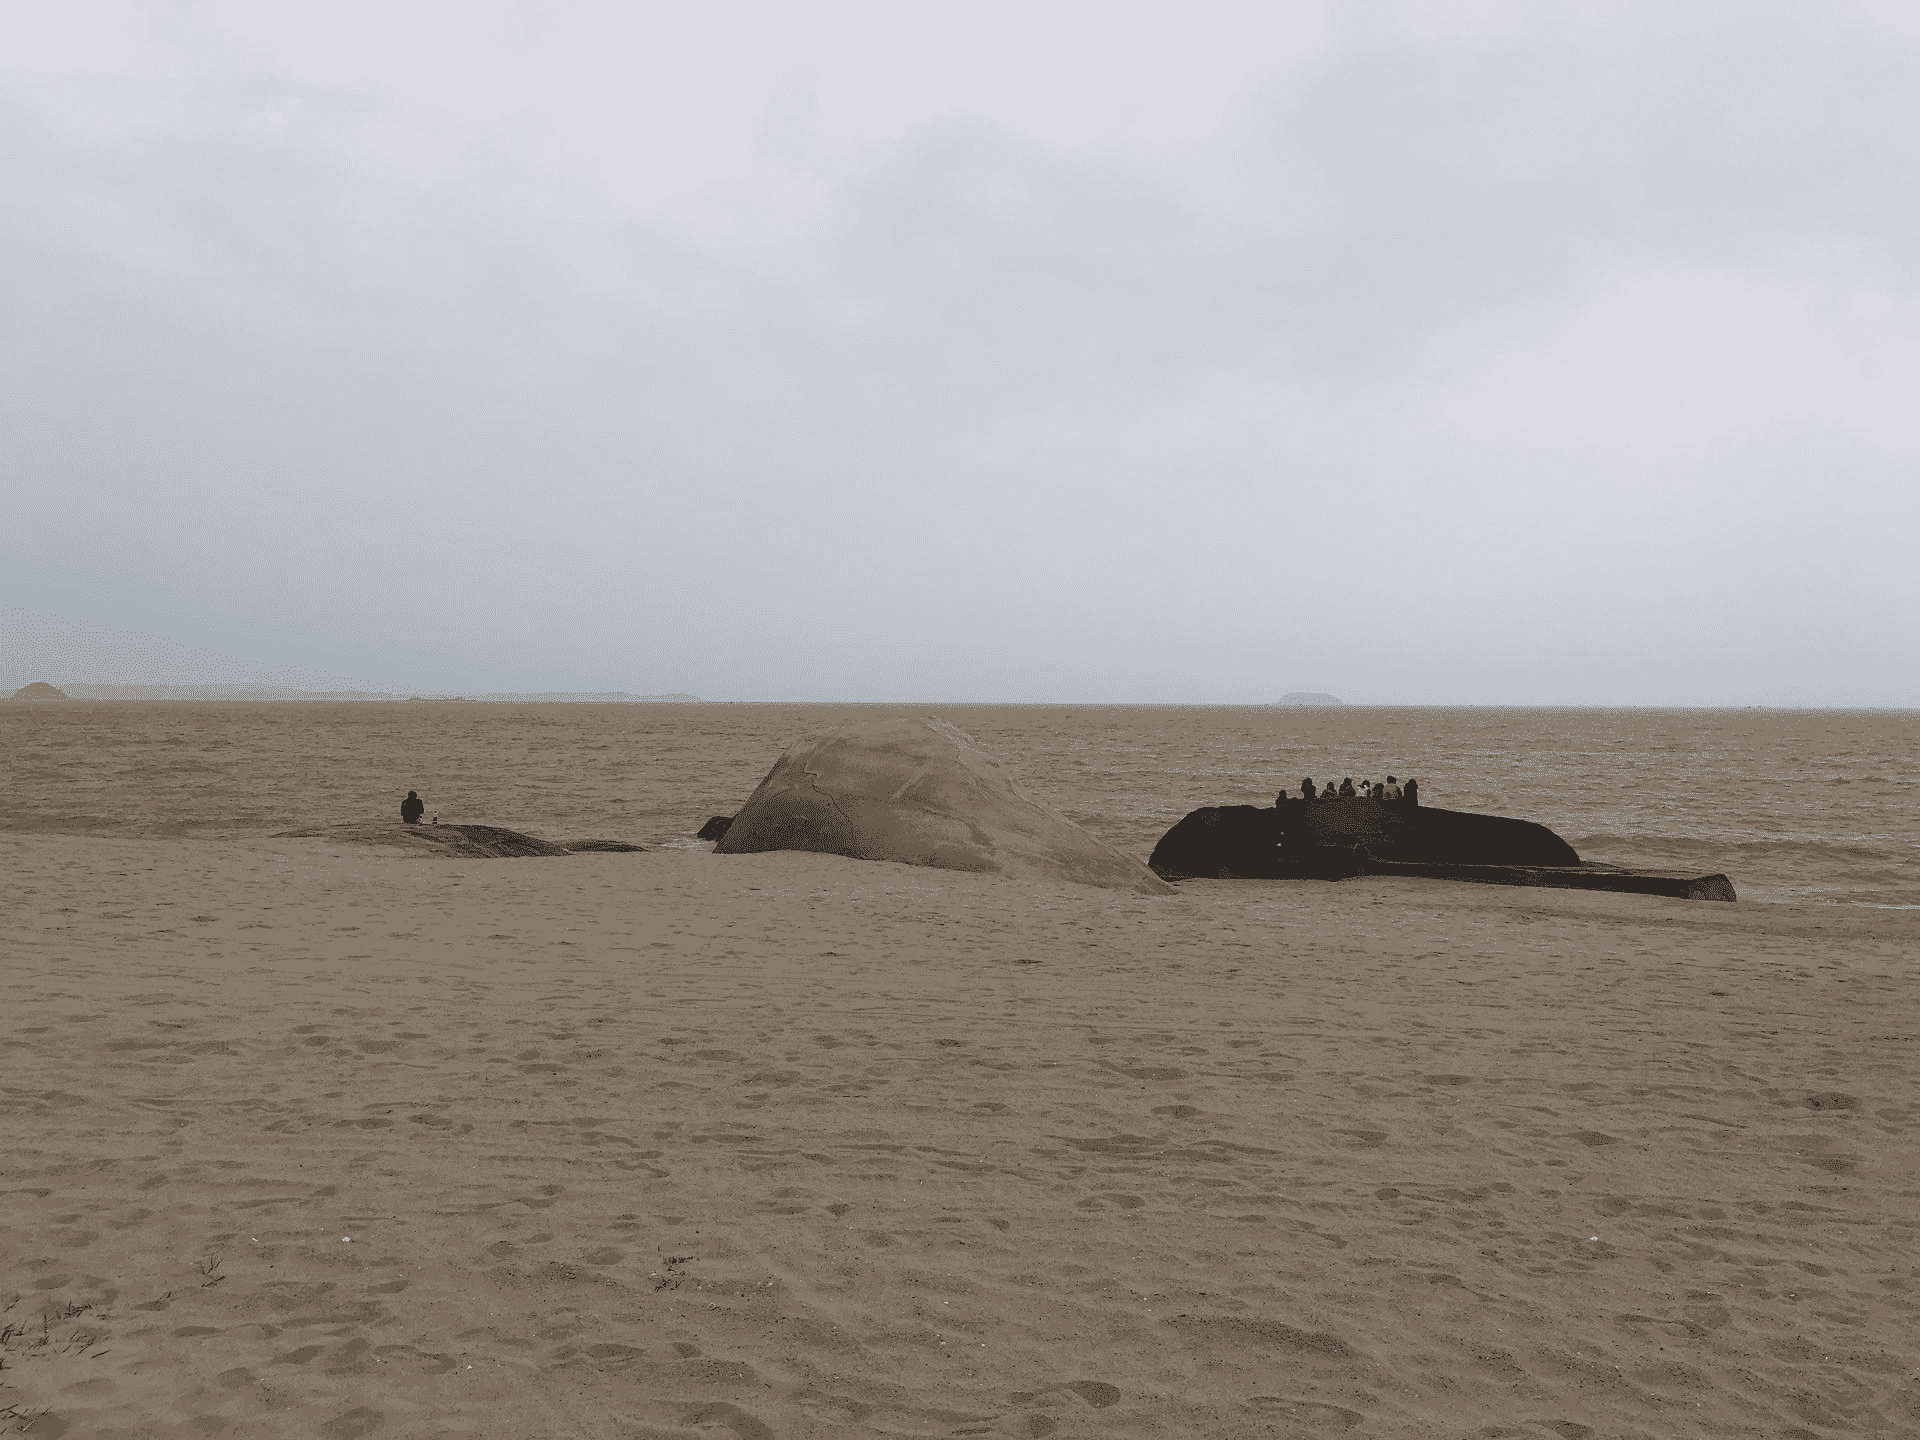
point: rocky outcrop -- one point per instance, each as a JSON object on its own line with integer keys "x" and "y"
{"x": 465, "y": 842}
{"x": 39, "y": 690}
{"x": 1331, "y": 838}
{"x": 1420, "y": 834}
{"x": 920, "y": 793}
{"x": 1338, "y": 839}
{"x": 1223, "y": 842}
{"x": 618, "y": 847}
{"x": 1676, "y": 884}
{"x": 716, "y": 828}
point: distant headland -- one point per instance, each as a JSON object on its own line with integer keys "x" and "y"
{"x": 1309, "y": 697}
{"x": 41, "y": 690}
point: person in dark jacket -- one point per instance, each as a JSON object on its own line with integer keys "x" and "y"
{"x": 412, "y": 808}
{"x": 1410, "y": 792}
{"x": 1346, "y": 789}
{"x": 1307, "y": 792}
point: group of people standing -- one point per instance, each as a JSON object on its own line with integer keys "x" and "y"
{"x": 1391, "y": 793}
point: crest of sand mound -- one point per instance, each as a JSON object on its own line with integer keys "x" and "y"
{"x": 921, "y": 793}
{"x": 39, "y": 690}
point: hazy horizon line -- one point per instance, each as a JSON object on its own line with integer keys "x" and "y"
{"x": 292, "y": 696}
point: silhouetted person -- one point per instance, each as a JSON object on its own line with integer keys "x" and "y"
{"x": 412, "y": 808}
{"x": 1307, "y": 792}
{"x": 1280, "y": 800}
{"x": 1346, "y": 788}
{"x": 1392, "y": 792}
{"x": 1410, "y": 792}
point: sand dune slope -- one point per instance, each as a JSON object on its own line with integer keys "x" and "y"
{"x": 311, "y": 1140}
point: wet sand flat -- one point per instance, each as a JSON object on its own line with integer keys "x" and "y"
{"x": 673, "y": 1144}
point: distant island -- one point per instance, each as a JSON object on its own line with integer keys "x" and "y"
{"x": 217, "y": 693}
{"x": 1309, "y": 697}
{"x": 40, "y": 690}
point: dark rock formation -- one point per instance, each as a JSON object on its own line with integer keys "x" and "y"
{"x": 1679, "y": 885}
{"x": 716, "y": 828}
{"x": 1330, "y": 838}
{"x": 1335, "y": 839}
{"x": 920, "y": 793}
{"x": 574, "y": 847}
{"x": 39, "y": 690}
{"x": 1222, "y": 842}
{"x": 1421, "y": 834}
{"x": 466, "y": 842}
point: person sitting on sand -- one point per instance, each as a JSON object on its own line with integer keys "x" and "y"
{"x": 1410, "y": 792}
{"x": 1280, "y": 800}
{"x": 1346, "y": 788}
{"x": 412, "y": 808}
{"x": 1307, "y": 792}
{"x": 1392, "y": 791}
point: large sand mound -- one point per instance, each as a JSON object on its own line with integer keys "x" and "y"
{"x": 467, "y": 842}
{"x": 40, "y": 690}
{"x": 920, "y": 792}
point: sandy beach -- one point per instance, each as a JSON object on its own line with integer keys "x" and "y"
{"x": 314, "y": 1141}
{"x": 564, "y": 425}
{"x": 308, "y": 1138}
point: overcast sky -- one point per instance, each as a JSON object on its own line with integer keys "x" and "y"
{"x": 999, "y": 351}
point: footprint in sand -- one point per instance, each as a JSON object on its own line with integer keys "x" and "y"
{"x": 1832, "y": 1100}
{"x": 1097, "y": 1393}
{"x": 616, "y": 1354}
{"x": 361, "y": 1420}
{"x": 1309, "y": 1412}
{"x": 718, "y": 1412}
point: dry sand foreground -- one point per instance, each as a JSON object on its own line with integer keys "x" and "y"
{"x": 675, "y": 1144}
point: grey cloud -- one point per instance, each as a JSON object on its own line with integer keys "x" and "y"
{"x": 1006, "y": 410}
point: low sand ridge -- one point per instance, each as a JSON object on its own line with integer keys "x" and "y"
{"x": 793, "y": 1145}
